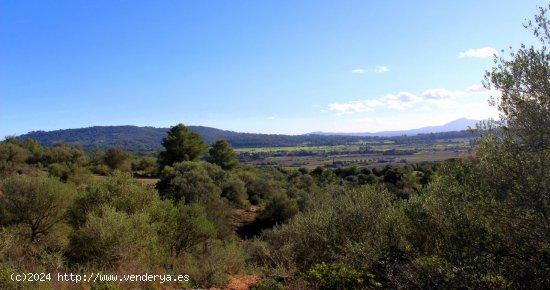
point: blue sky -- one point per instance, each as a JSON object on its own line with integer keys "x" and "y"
{"x": 279, "y": 66}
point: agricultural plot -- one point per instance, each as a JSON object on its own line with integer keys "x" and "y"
{"x": 370, "y": 153}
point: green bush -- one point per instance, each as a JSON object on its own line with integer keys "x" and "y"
{"x": 119, "y": 190}
{"x": 234, "y": 190}
{"x": 187, "y": 181}
{"x": 353, "y": 227}
{"x": 38, "y": 203}
{"x": 324, "y": 276}
{"x": 278, "y": 209}
{"x": 214, "y": 263}
{"x": 269, "y": 284}
{"x": 110, "y": 238}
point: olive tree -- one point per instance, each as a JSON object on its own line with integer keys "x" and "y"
{"x": 39, "y": 203}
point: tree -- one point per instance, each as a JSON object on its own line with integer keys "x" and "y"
{"x": 181, "y": 145}
{"x": 223, "y": 155}
{"x": 493, "y": 215}
{"x": 40, "y": 203}
{"x": 63, "y": 153}
{"x": 187, "y": 181}
{"x": 117, "y": 159}
{"x": 12, "y": 158}
{"x": 524, "y": 83}
{"x": 524, "y": 140}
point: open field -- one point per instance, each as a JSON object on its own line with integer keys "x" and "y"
{"x": 361, "y": 154}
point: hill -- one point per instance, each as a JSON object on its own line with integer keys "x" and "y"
{"x": 148, "y": 139}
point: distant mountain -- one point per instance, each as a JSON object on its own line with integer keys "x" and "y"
{"x": 456, "y": 125}
{"x": 147, "y": 140}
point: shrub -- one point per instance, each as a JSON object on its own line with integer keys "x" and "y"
{"x": 212, "y": 265}
{"x": 119, "y": 191}
{"x": 235, "y": 191}
{"x": 338, "y": 276}
{"x": 38, "y": 203}
{"x": 187, "y": 181}
{"x": 278, "y": 210}
{"x": 110, "y": 238}
{"x": 351, "y": 227}
{"x": 269, "y": 284}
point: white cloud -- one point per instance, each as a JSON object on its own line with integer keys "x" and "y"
{"x": 445, "y": 103}
{"x": 378, "y": 69}
{"x": 469, "y": 101}
{"x": 483, "y": 52}
{"x": 381, "y": 69}
{"x": 349, "y": 108}
{"x": 441, "y": 94}
{"x": 401, "y": 101}
{"x": 354, "y": 107}
{"x": 479, "y": 88}
{"x": 373, "y": 103}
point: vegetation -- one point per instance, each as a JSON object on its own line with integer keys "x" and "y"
{"x": 478, "y": 221}
{"x": 38, "y": 203}
{"x": 222, "y": 155}
{"x": 147, "y": 140}
{"x": 181, "y": 145}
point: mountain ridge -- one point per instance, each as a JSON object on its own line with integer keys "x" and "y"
{"x": 148, "y": 139}
{"x": 455, "y": 125}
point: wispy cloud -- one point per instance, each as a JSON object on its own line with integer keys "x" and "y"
{"x": 429, "y": 99}
{"x": 401, "y": 100}
{"x": 381, "y": 69}
{"x": 354, "y": 107}
{"x": 377, "y": 69}
{"x": 479, "y": 88}
{"x": 441, "y": 94}
{"x": 483, "y": 52}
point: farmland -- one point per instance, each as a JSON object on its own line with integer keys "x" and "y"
{"x": 361, "y": 153}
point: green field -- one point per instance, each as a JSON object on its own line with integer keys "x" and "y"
{"x": 370, "y": 153}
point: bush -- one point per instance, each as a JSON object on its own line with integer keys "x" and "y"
{"x": 186, "y": 228}
{"x": 235, "y": 191}
{"x": 120, "y": 191}
{"x": 70, "y": 173}
{"x": 352, "y": 227}
{"x": 338, "y": 276}
{"x": 110, "y": 238}
{"x": 187, "y": 181}
{"x": 269, "y": 284}
{"x": 117, "y": 159}
{"x": 279, "y": 209}
{"x": 38, "y": 203}
{"x": 212, "y": 265}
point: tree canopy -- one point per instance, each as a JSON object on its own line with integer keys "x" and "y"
{"x": 181, "y": 145}
{"x": 222, "y": 155}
